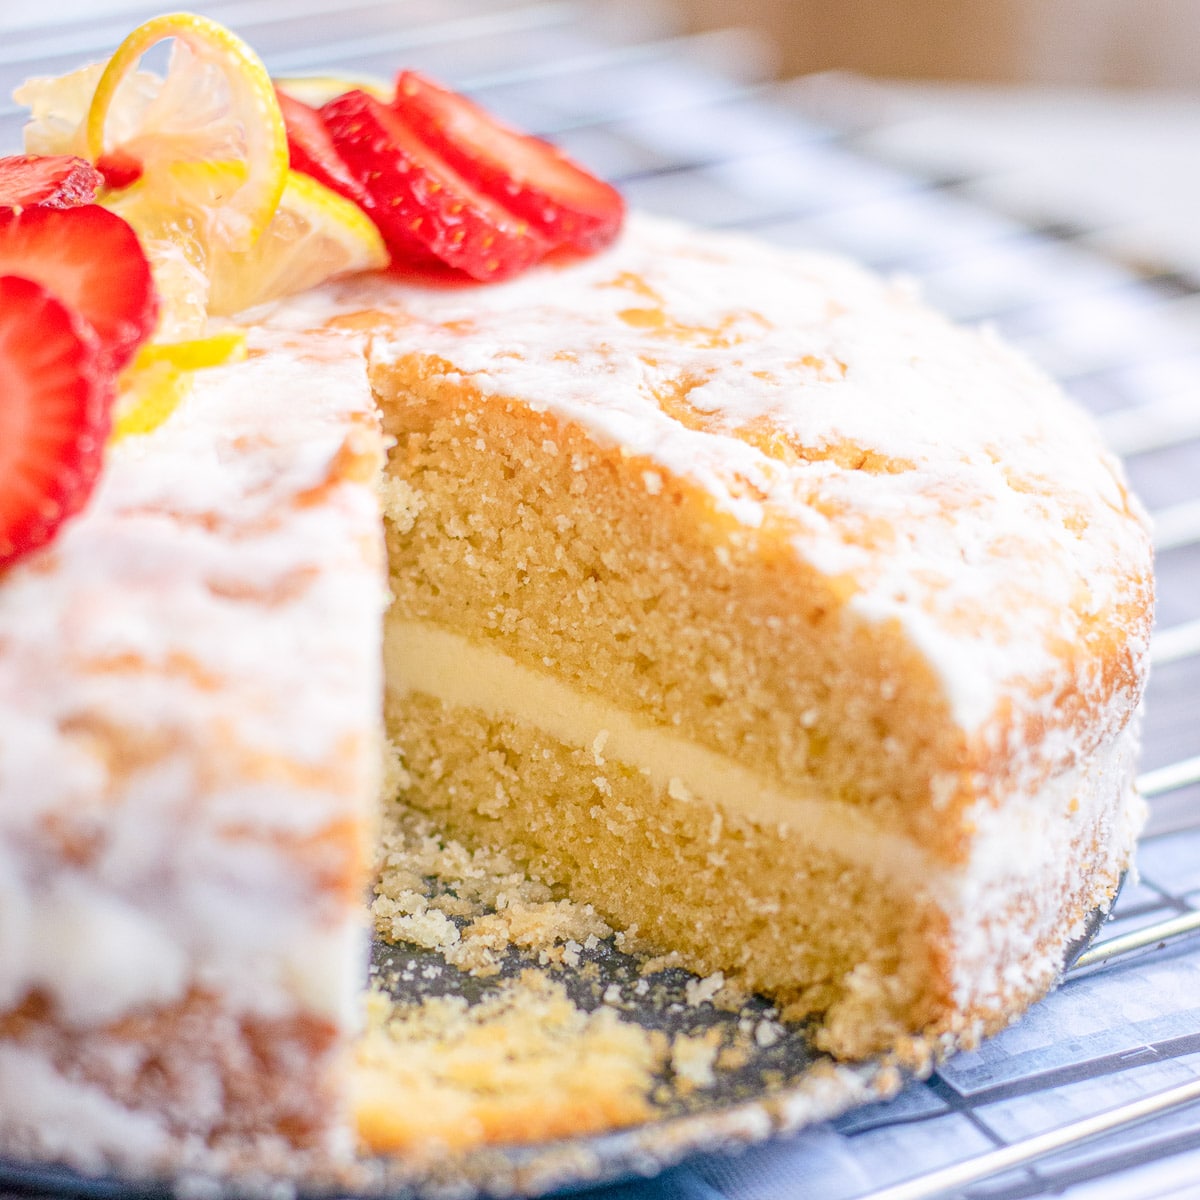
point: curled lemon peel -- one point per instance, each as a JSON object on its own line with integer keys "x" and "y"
{"x": 249, "y": 120}
{"x": 224, "y": 221}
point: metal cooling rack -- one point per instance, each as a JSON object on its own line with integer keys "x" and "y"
{"x": 688, "y": 126}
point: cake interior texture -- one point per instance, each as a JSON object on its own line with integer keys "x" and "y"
{"x": 796, "y": 630}
{"x": 681, "y": 724}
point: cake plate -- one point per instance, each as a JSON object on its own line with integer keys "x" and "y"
{"x": 784, "y": 1085}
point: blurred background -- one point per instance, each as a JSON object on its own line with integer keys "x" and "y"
{"x": 1081, "y": 113}
{"x": 1111, "y": 43}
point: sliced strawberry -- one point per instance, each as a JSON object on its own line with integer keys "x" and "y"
{"x": 119, "y": 168}
{"x": 47, "y": 181}
{"x": 91, "y": 260}
{"x": 421, "y": 204}
{"x": 566, "y": 204}
{"x": 311, "y": 150}
{"x": 54, "y": 418}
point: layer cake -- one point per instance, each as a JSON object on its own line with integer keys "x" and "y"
{"x": 732, "y": 591}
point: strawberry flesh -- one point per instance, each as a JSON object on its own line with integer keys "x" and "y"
{"x": 92, "y": 261}
{"x": 421, "y": 204}
{"x": 119, "y": 168}
{"x": 531, "y": 178}
{"x": 311, "y": 151}
{"x": 54, "y": 418}
{"x": 47, "y": 181}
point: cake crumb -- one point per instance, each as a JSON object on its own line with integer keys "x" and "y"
{"x": 399, "y": 502}
{"x": 733, "y": 1058}
{"x": 428, "y": 885}
{"x": 598, "y": 744}
{"x": 701, "y": 991}
{"x": 660, "y": 962}
{"x": 429, "y": 929}
{"x": 766, "y": 1034}
{"x": 733, "y": 996}
{"x": 678, "y": 790}
{"x": 524, "y": 1064}
{"x": 393, "y": 777}
{"x": 693, "y": 1059}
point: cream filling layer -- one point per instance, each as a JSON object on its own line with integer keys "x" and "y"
{"x": 424, "y": 658}
{"x": 1022, "y": 847}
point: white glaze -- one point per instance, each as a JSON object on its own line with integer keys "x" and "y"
{"x": 981, "y": 575}
{"x": 170, "y": 669}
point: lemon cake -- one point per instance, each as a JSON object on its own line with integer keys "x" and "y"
{"x": 731, "y": 591}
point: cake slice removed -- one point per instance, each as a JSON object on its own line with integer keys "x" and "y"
{"x": 745, "y": 598}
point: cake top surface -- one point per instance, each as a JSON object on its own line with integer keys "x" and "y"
{"x": 949, "y": 483}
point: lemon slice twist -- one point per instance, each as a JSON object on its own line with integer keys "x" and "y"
{"x": 225, "y": 223}
{"x": 315, "y": 235}
{"x": 216, "y": 105}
